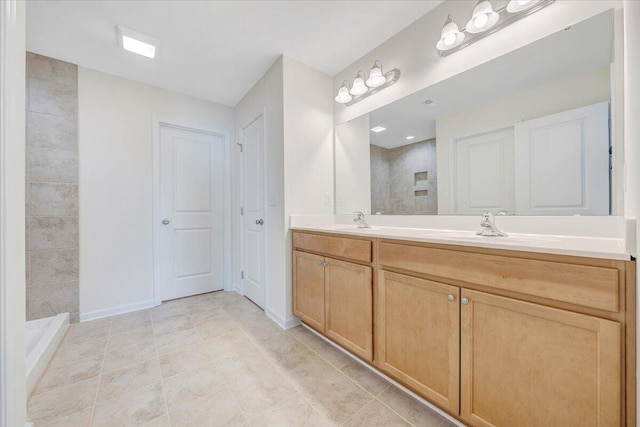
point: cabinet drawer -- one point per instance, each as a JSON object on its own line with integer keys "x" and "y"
{"x": 588, "y": 286}
{"x": 359, "y": 250}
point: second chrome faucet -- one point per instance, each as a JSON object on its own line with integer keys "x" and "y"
{"x": 488, "y": 225}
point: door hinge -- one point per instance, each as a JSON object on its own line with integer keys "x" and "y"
{"x": 240, "y": 145}
{"x": 242, "y": 274}
{"x": 241, "y": 210}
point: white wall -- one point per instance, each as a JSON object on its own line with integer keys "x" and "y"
{"x": 413, "y": 49}
{"x": 353, "y": 166}
{"x": 266, "y": 97}
{"x": 308, "y": 151}
{"x": 12, "y": 215}
{"x": 116, "y": 183}
{"x": 549, "y": 98}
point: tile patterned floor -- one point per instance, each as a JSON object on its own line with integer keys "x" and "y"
{"x": 211, "y": 360}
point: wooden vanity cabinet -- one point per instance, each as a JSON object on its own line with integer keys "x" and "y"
{"x": 418, "y": 330}
{"x": 335, "y": 297}
{"x": 529, "y": 365}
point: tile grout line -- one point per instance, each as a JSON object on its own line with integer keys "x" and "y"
{"x": 155, "y": 344}
{"x": 104, "y": 358}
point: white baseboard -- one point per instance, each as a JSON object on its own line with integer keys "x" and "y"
{"x": 284, "y": 324}
{"x": 389, "y": 379}
{"x": 113, "y": 311}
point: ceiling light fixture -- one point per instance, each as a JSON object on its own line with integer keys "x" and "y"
{"x": 410, "y": 137}
{"x": 136, "y": 42}
{"x": 364, "y": 86}
{"x": 484, "y": 22}
{"x": 483, "y": 17}
{"x": 378, "y": 129}
{"x": 343, "y": 94}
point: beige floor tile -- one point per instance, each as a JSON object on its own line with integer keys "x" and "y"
{"x": 121, "y": 381}
{"x": 177, "y": 340}
{"x": 203, "y": 315}
{"x": 332, "y": 355}
{"x": 292, "y": 412}
{"x": 182, "y": 389}
{"x": 217, "y": 409}
{"x": 77, "y": 419}
{"x": 173, "y": 324}
{"x": 130, "y": 409}
{"x": 78, "y": 352}
{"x": 216, "y": 327}
{"x": 162, "y": 421}
{"x": 259, "y": 391}
{"x": 281, "y": 346}
{"x": 261, "y": 330}
{"x": 80, "y": 332}
{"x": 338, "y": 399}
{"x": 235, "y": 367}
{"x": 366, "y": 379}
{"x": 129, "y": 338}
{"x": 375, "y": 414}
{"x": 166, "y": 311}
{"x": 132, "y": 355}
{"x": 141, "y": 315}
{"x": 227, "y": 345}
{"x": 121, "y": 326}
{"x": 307, "y": 337}
{"x": 183, "y": 360}
{"x": 71, "y": 373}
{"x": 307, "y": 369}
{"x": 410, "y": 409}
{"x": 62, "y": 402}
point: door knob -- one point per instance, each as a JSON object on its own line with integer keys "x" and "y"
{"x": 166, "y": 221}
{"x": 259, "y": 221}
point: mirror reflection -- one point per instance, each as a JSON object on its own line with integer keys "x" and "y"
{"x": 527, "y": 133}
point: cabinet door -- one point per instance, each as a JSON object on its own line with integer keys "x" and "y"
{"x": 418, "y": 330}
{"x": 308, "y": 289}
{"x": 350, "y": 306}
{"x": 527, "y": 365}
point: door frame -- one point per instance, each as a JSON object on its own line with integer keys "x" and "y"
{"x": 13, "y": 395}
{"x": 157, "y": 123}
{"x": 243, "y": 261}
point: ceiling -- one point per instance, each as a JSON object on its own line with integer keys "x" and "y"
{"x": 215, "y": 50}
{"x": 581, "y": 48}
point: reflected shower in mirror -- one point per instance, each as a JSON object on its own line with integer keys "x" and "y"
{"x": 528, "y": 133}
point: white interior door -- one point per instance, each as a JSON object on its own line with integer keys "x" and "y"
{"x": 253, "y": 212}
{"x": 191, "y": 239}
{"x": 483, "y": 176}
{"x": 562, "y": 163}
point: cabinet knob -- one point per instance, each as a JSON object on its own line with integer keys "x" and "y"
{"x": 451, "y": 297}
{"x": 323, "y": 263}
{"x": 464, "y": 301}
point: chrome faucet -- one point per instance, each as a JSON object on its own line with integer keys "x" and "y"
{"x": 488, "y": 225}
{"x": 359, "y": 219}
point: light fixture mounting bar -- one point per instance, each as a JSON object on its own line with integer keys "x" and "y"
{"x": 505, "y": 19}
{"x": 392, "y": 77}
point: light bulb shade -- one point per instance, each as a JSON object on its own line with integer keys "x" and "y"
{"x": 515, "y": 6}
{"x": 343, "y": 94}
{"x": 376, "y": 76}
{"x": 450, "y": 36}
{"x": 358, "y": 87}
{"x": 483, "y": 17}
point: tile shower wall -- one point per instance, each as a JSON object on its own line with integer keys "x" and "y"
{"x": 398, "y": 185}
{"x": 52, "y": 187}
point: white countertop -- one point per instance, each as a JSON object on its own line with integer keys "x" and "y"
{"x": 583, "y": 246}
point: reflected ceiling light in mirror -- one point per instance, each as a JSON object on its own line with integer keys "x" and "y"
{"x": 376, "y": 77}
{"x": 343, "y": 94}
{"x": 450, "y": 36}
{"x": 515, "y": 6}
{"x": 483, "y": 17}
{"x": 378, "y": 129}
{"x": 359, "y": 87}
{"x": 484, "y": 22}
{"x": 364, "y": 86}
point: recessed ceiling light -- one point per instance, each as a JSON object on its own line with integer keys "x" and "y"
{"x": 410, "y": 137}
{"x": 136, "y": 42}
{"x": 378, "y": 129}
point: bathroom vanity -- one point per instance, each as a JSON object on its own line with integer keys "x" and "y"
{"x": 542, "y": 334}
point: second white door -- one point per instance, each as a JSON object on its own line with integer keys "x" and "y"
{"x": 191, "y": 239}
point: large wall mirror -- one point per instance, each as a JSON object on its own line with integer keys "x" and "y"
{"x": 529, "y": 133}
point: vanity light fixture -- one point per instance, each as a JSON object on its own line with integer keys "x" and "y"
{"x": 359, "y": 87}
{"x": 377, "y": 129}
{"x": 343, "y": 94}
{"x": 484, "y": 22}
{"x": 364, "y": 86}
{"x": 136, "y": 42}
{"x": 483, "y": 17}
